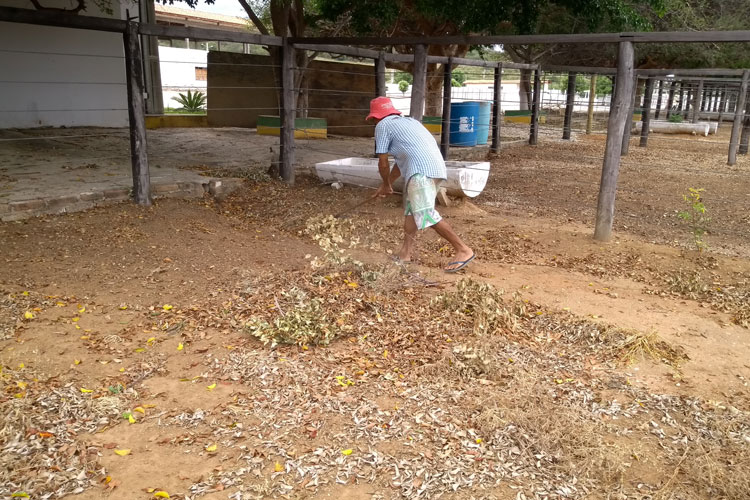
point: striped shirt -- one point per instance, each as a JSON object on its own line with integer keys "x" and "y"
{"x": 412, "y": 146}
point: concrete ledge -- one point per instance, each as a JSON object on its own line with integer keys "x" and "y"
{"x": 25, "y": 209}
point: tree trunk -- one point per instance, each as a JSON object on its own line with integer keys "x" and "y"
{"x": 524, "y": 89}
{"x": 434, "y": 98}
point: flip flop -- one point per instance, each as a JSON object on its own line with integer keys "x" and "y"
{"x": 463, "y": 263}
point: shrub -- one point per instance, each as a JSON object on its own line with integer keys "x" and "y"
{"x": 403, "y": 86}
{"x": 192, "y": 101}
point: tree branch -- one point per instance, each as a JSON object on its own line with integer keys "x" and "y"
{"x": 253, "y": 17}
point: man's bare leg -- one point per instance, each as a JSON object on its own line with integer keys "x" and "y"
{"x": 463, "y": 252}
{"x": 410, "y": 237}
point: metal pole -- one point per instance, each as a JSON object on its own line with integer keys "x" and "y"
{"x": 620, "y": 115}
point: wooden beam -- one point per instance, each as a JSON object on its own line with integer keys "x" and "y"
{"x": 647, "y": 97}
{"x": 588, "y": 38}
{"x": 678, "y": 73}
{"x": 419, "y": 82}
{"x": 497, "y": 115}
{"x": 592, "y": 98}
{"x": 345, "y": 50}
{"x": 722, "y": 104}
{"x": 380, "y": 86}
{"x": 739, "y": 110}
{"x": 659, "y": 95}
{"x": 136, "y": 115}
{"x": 618, "y": 117}
{"x": 697, "y": 102}
{"x": 534, "y": 127}
{"x": 570, "y": 101}
{"x": 591, "y": 70}
{"x": 61, "y": 19}
{"x": 286, "y": 151}
{"x": 625, "y": 149}
{"x": 445, "y": 133}
{"x": 208, "y": 34}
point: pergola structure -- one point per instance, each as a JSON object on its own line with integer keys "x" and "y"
{"x": 727, "y": 87}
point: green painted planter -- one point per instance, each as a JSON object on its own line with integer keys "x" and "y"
{"x": 304, "y": 128}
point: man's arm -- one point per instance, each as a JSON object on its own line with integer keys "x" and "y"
{"x": 387, "y": 175}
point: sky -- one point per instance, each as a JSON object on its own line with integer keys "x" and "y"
{"x": 227, "y": 7}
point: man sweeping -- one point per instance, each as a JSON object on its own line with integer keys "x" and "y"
{"x": 418, "y": 160}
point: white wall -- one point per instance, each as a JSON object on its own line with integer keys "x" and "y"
{"x": 60, "y": 76}
{"x": 178, "y": 72}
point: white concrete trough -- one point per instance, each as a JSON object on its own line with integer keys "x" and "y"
{"x": 700, "y": 128}
{"x": 465, "y": 178}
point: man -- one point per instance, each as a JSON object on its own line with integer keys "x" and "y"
{"x": 419, "y": 160}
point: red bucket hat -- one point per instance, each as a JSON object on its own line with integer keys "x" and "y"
{"x": 380, "y": 107}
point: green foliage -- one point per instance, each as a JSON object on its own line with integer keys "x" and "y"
{"x": 695, "y": 216}
{"x": 303, "y": 323}
{"x": 456, "y": 83}
{"x": 675, "y": 118}
{"x": 191, "y": 102}
{"x": 583, "y": 84}
{"x": 458, "y": 76}
{"x": 403, "y": 86}
{"x": 404, "y": 76}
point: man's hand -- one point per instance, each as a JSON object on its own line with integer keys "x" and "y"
{"x": 383, "y": 191}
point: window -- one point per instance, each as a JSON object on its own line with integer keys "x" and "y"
{"x": 201, "y": 73}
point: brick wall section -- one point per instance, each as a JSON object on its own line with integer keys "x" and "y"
{"x": 256, "y": 77}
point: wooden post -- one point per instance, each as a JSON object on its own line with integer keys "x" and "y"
{"x": 733, "y": 141}
{"x": 570, "y": 102}
{"x": 715, "y": 100}
{"x": 619, "y": 116}
{"x": 688, "y": 103}
{"x": 697, "y": 102}
{"x": 658, "y": 99}
{"x": 629, "y": 123}
{"x": 706, "y": 98}
{"x": 136, "y": 116}
{"x": 722, "y": 104}
{"x": 670, "y": 98}
{"x": 647, "y": 112}
{"x": 745, "y": 138}
{"x": 497, "y": 113}
{"x": 592, "y": 97}
{"x": 380, "y": 87}
{"x": 286, "y": 152}
{"x": 534, "y": 126}
{"x": 446, "y": 120}
{"x": 419, "y": 82}
{"x": 680, "y": 99}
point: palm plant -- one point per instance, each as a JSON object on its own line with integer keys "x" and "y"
{"x": 191, "y": 102}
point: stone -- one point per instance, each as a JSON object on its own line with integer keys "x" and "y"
{"x": 92, "y": 196}
{"x": 164, "y": 188}
{"x": 117, "y": 194}
{"x": 26, "y": 205}
{"x": 61, "y": 203}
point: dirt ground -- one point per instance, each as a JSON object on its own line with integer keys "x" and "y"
{"x": 553, "y": 367}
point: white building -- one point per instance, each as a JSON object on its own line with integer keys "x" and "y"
{"x": 60, "y": 76}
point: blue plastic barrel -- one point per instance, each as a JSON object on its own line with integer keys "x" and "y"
{"x": 464, "y": 117}
{"x": 483, "y": 123}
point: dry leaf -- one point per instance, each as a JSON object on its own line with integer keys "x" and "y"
{"x": 161, "y": 494}
{"x": 86, "y": 391}
{"x": 278, "y": 467}
{"x": 211, "y": 448}
{"x": 347, "y": 452}
{"x": 122, "y": 453}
